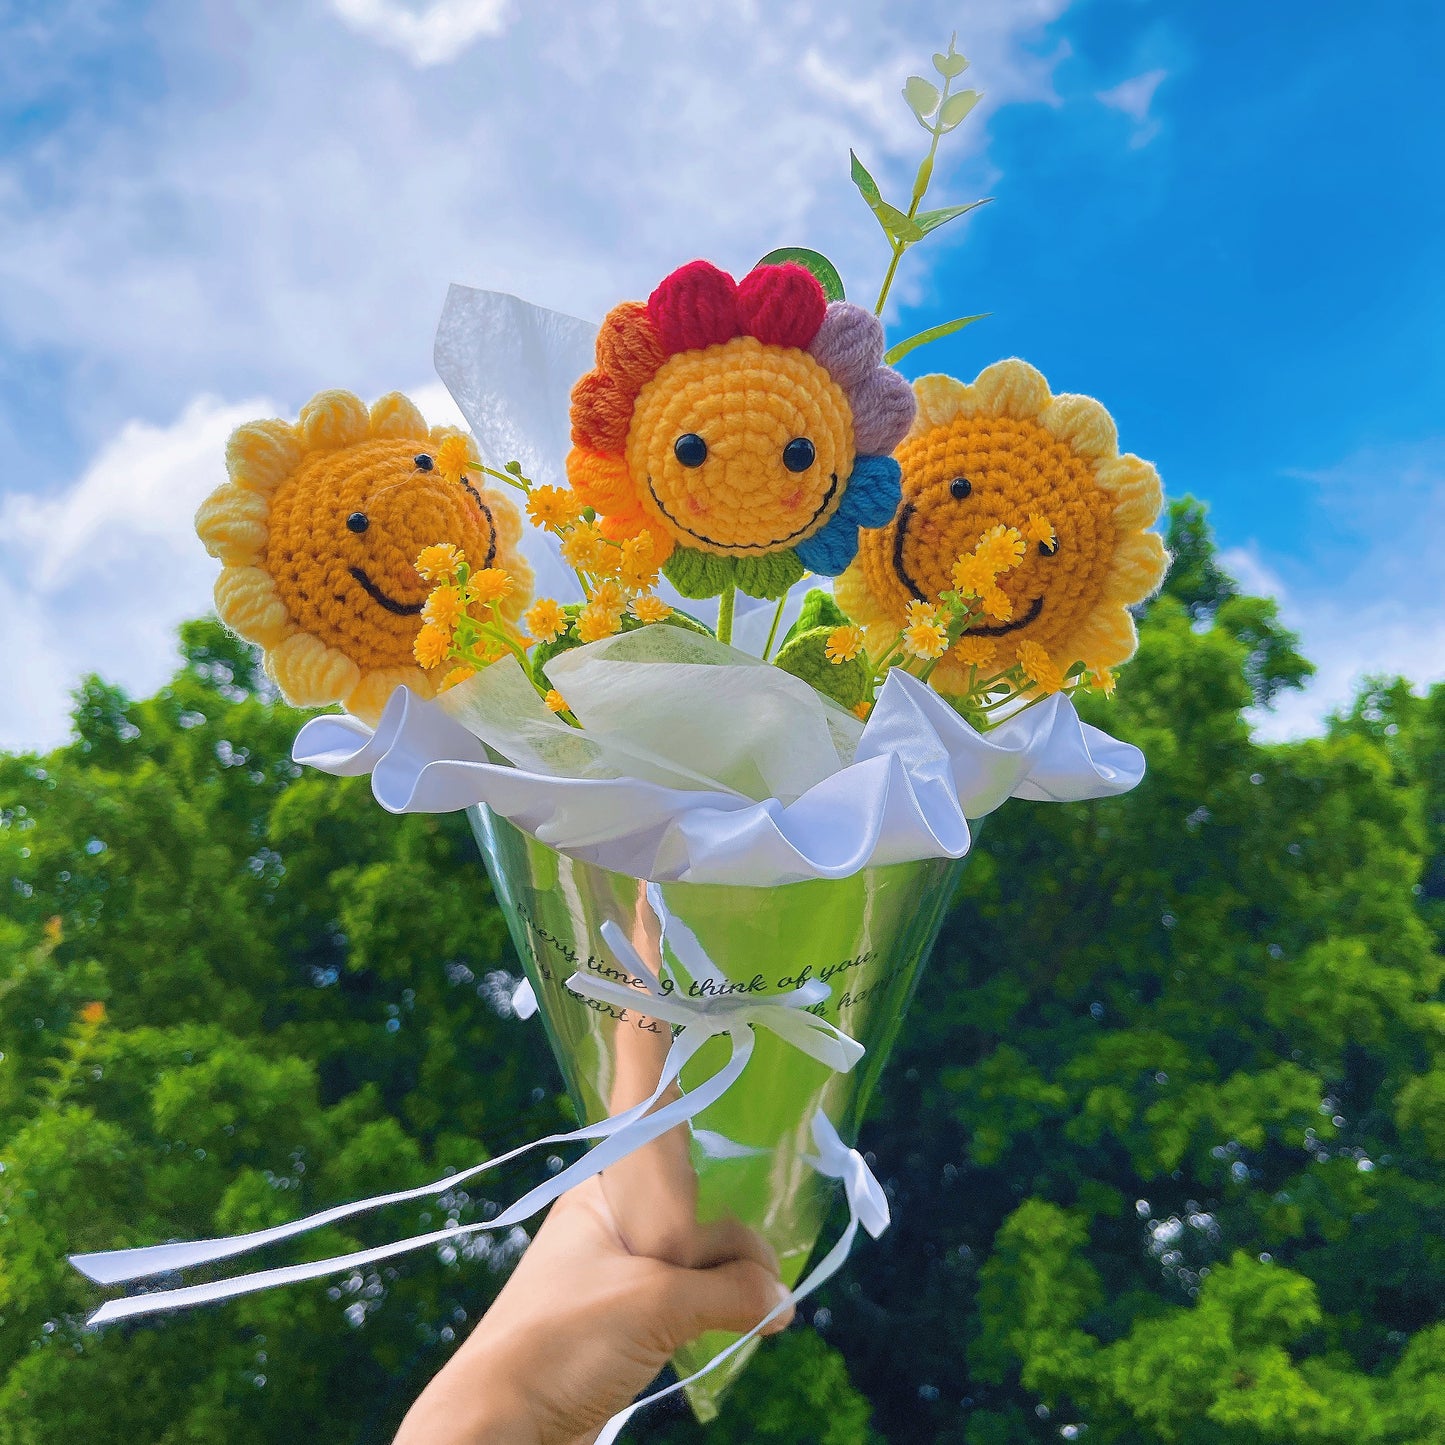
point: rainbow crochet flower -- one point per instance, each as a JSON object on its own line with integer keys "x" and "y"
{"x": 746, "y": 426}
{"x": 989, "y": 466}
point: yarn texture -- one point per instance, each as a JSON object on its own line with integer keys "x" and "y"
{"x": 318, "y": 528}
{"x": 994, "y": 453}
{"x": 739, "y": 422}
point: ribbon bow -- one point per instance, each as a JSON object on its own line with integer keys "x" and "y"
{"x": 867, "y": 1207}
{"x": 619, "y": 1136}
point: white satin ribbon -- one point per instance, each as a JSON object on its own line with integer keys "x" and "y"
{"x": 700, "y": 1019}
{"x": 867, "y": 1206}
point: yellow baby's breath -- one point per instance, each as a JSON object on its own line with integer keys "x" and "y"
{"x": 843, "y": 644}
{"x": 554, "y": 701}
{"x": 925, "y": 639}
{"x": 583, "y": 547}
{"x": 432, "y": 646}
{"x": 595, "y": 623}
{"x": 649, "y": 608}
{"x": 552, "y": 507}
{"x": 1000, "y": 548}
{"x": 610, "y": 595}
{"x": 439, "y": 561}
{"x": 972, "y": 575}
{"x": 454, "y": 457}
{"x": 639, "y": 565}
{"x": 444, "y": 608}
{"x": 975, "y": 651}
{"x": 1039, "y": 667}
{"x": 456, "y": 675}
{"x": 490, "y": 585}
{"x": 1039, "y": 529}
{"x": 546, "y": 620}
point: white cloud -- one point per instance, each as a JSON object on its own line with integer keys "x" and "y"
{"x": 431, "y": 35}
{"x": 1371, "y": 603}
{"x": 97, "y": 577}
{"x": 285, "y": 212}
{"x": 1134, "y": 97}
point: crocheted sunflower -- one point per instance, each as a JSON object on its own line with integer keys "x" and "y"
{"x": 746, "y": 426}
{"x": 994, "y": 453}
{"x": 318, "y": 528}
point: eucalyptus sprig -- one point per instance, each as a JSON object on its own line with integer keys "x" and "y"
{"x": 939, "y": 110}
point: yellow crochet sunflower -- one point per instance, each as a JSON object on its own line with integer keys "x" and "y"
{"x": 998, "y": 452}
{"x": 318, "y": 528}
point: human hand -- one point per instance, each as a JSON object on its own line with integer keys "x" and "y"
{"x": 582, "y": 1326}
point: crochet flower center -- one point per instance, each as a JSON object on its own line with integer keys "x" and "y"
{"x": 743, "y": 448}
{"x": 980, "y": 471}
{"x": 344, "y": 531}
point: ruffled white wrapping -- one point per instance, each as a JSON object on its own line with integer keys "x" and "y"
{"x": 636, "y": 797}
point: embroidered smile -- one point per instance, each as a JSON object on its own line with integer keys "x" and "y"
{"x": 750, "y": 546}
{"x": 402, "y": 609}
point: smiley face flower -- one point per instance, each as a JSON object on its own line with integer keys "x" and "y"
{"x": 988, "y": 467}
{"x": 744, "y": 426}
{"x": 319, "y": 531}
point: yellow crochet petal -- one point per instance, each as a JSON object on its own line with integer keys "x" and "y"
{"x": 1012, "y": 388}
{"x": 262, "y": 454}
{"x": 1139, "y": 567}
{"x": 1137, "y": 490}
{"x": 1106, "y": 639}
{"x": 940, "y": 399}
{"x": 232, "y": 524}
{"x": 1088, "y": 429}
{"x": 311, "y": 674}
{"x": 394, "y": 415}
{"x": 248, "y": 603}
{"x": 852, "y": 593}
{"x": 333, "y": 419}
{"x": 369, "y": 697}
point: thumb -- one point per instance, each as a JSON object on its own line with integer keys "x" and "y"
{"x": 732, "y": 1297}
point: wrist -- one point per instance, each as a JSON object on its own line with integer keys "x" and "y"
{"x": 472, "y": 1401}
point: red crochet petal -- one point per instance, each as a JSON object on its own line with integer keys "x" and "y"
{"x": 694, "y": 307}
{"x": 782, "y": 305}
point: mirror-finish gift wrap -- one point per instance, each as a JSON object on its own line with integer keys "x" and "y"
{"x": 744, "y": 1158}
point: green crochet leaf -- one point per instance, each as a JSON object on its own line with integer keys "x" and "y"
{"x": 770, "y": 576}
{"x": 698, "y": 574}
{"x": 819, "y": 610}
{"x": 804, "y": 656}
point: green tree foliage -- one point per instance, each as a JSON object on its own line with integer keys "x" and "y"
{"x": 1163, "y": 1138}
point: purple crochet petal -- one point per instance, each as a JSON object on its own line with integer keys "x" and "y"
{"x": 849, "y": 344}
{"x": 883, "y": 409}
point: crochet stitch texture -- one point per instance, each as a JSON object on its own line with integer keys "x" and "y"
{"x": 318, "y": 527}
{"x": 992, "y": 453}
{"x": 740, "y": 422}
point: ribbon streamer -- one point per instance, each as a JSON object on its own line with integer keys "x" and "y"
{"x": 867, "y": 1206}
{"x": 620, "y": 1135}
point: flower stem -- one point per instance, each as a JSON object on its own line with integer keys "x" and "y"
{"x": 726, "y": 603}
{"x": 900, "y": 245}
{"x": 773, "y": 630}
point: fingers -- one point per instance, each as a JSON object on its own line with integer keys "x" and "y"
{"x": 732, "y": 1297}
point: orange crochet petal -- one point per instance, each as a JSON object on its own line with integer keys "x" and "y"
{"x": 601, "y": 413}
{"x": 600, "y": 481}
{"x": 629, "y": 349}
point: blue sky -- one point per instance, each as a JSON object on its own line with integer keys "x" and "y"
{"x": 1223, "y": 220}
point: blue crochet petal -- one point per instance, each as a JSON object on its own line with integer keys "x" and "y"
{"x": 829, "y": 550}
{"x": 873, "y": 493}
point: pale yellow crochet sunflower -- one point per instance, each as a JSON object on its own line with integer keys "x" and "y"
{"x": 1001, "y": 451}
{"x": 318, "y": 529}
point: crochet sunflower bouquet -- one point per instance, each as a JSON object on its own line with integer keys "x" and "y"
{"x": 782, "y": 629}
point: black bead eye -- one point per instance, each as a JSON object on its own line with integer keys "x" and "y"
{"x": 423, "y": 462}
{"x": 358, "y": 522}
{"x": 798, "y": 454}
{"x": 960, "y": 487}
{"x": 690, "y": 449}
{"x": 1047, "y": 549}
